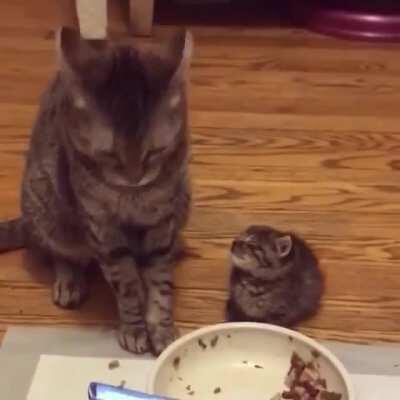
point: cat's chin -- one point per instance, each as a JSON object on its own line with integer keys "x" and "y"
{"x": 237, "y": 260}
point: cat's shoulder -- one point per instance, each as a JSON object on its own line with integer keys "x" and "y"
{"x": 55, "y": 92}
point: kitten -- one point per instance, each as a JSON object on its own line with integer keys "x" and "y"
{"x": 275, "y": 278}
{"x": 106, "y": 179}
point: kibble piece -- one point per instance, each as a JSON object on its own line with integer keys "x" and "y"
{"x": 176, "y": 362}
{"x": 214, "y": 341}
{"x": 202, "y": 344}
{"x": 113, "y": 364}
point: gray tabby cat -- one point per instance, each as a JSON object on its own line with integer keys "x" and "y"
{"x": 106, "y": 179}
{"x": 275, "y": 278}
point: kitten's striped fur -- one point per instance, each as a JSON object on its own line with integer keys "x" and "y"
{"x": 106, "y": 179}
{"x": 274, "y": 279}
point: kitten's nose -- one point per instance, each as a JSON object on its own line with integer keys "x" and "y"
{"x": 237, "y": 245}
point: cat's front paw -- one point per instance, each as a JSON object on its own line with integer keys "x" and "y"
{"x": 69, "y": 293}
{"x": 134, "y": 339}
{"x": 162, "y": 337}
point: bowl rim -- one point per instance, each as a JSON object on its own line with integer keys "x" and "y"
{"x": 228, "y": 326}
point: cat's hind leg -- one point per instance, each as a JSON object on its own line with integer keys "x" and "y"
{"x": 70, "y": 288}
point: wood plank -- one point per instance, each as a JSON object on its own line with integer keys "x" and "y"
{"x": 271, "y": 58}
{"x": 281, "y": 196}
{"x": 30, "y": 304}
{"x": 254, "y": 120}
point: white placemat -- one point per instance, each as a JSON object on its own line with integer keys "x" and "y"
{"x": 376, "y": 387}
{"x": 66, "y": 378}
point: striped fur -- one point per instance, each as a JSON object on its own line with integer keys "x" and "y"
{"x": 275, "y": 278}
{"x": 106, "y": 180}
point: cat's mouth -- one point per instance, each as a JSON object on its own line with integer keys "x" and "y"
{"x": 237, "y": 254}
{"x": 240, "y": 248}
{"x": 240, "y": 254}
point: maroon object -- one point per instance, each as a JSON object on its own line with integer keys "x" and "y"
{"x": 380, "y": 23}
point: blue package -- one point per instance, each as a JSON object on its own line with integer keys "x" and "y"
{"x": 100, "y": 391}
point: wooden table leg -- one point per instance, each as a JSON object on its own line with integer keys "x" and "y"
{"x": 92, "y": 18}
{"x": 67, "y": 14}
{"x": 141, "y": 16}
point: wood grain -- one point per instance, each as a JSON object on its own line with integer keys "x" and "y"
{"x": 289, "y": 128}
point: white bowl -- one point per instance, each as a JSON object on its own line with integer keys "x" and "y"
{"x": 239, "y": 361}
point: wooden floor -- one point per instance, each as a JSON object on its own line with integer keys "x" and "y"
{"x": 289, "y": 128}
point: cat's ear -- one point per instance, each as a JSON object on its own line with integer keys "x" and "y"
{"x": 81, "y": 56}
{"x": 181, "y": 50}
{"x": 284, "y": 245}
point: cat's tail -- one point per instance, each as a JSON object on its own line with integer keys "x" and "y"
{"x": 12, "y": 235}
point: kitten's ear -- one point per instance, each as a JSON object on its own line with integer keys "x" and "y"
{"x": 81, "y": 56}
{"x": 181, "y": 50}
{"x": 284, "y": 245}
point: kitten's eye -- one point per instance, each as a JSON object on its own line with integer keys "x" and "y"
{"x": 252, "y": 245}
{"x": 105, "y": 155}
{"x": 251, "y": 240}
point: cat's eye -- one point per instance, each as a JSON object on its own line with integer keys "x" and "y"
{"x": 105, "y": 155}
{"x": 153, "y": 155}
{"x": 251, "y": 239}
{"x": 110, "y": 159}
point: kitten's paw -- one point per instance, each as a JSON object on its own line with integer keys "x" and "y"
{"x": 231, "y": 312}
{"x": 161, "y": 337}
{"x": 134, "y": 339}
{"x": 69, "y": 293}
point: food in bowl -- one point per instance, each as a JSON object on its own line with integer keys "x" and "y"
{"x": 304, "y": 381}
